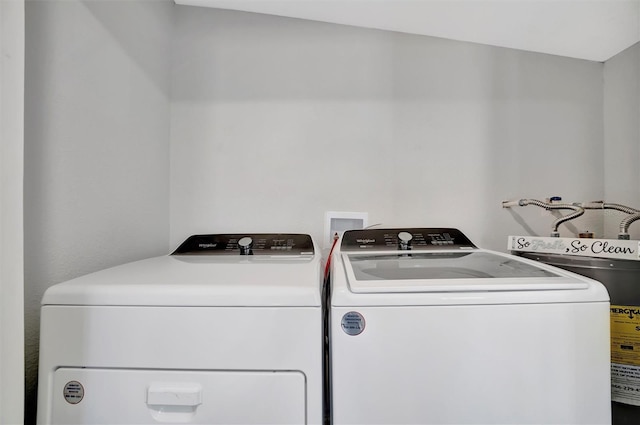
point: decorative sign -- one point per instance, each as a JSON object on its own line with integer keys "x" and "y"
{"x": 585, "y": 247}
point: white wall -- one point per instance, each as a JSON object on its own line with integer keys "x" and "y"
{"x": 622, "y": 135}
{"x": 11, "y": 211}
{"x": 277, "y": 120}
{"x": 96, "y": 143}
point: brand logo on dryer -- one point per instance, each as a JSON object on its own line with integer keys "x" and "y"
{"x": 207, "y": 245}
{"x": 73, "y": 392}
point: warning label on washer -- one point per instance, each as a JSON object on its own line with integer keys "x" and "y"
{"x": 625, "y": 354}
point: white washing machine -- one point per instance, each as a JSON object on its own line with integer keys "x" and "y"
{"x": 425, "y": 328}
{"x": 226, "y": 330}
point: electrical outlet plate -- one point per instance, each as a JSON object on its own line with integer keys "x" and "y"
{"x": 339, "y": 221}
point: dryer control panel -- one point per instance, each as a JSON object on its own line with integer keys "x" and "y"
{"x": 247, "y": 244}
{"x": 404, "y": 239}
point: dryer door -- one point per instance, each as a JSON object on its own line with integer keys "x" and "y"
{"x": 120, "y": 396}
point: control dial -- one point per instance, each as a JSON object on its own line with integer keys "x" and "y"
{"x": 245, "y": 244}
{"x": 404, "y": 241}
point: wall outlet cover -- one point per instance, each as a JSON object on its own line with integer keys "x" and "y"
{"x": 339, "y": 221}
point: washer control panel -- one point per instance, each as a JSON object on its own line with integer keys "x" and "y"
{"x": 247, "y": 244}
{"x": 404, "y": 239}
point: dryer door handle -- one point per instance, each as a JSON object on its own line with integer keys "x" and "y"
{"x": 174, "y": 394}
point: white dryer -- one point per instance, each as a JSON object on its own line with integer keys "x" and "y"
{"x": 227, "y": 330}
{"x": 425, "y": 328}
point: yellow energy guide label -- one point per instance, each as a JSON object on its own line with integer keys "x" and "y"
{"x": 625, "y": 354}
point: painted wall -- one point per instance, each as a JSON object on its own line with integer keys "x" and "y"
{"x": 96, "y": 144}
{"x": 11, "y": 211}
{"x": 622, "y": 135}
{"x": 277, "y": 120}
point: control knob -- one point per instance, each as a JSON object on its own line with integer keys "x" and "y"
{"x": 404, "y": 241}
{"x": 245, "y": 244}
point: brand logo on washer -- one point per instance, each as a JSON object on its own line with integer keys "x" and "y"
{"x": 207, "y": 245}
{"x": 353, "y": 323}
{"x": 365, "y": 241}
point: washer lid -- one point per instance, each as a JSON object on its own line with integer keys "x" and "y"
{"x": 450, "y": 271}
{"x": 197, "y": 280}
